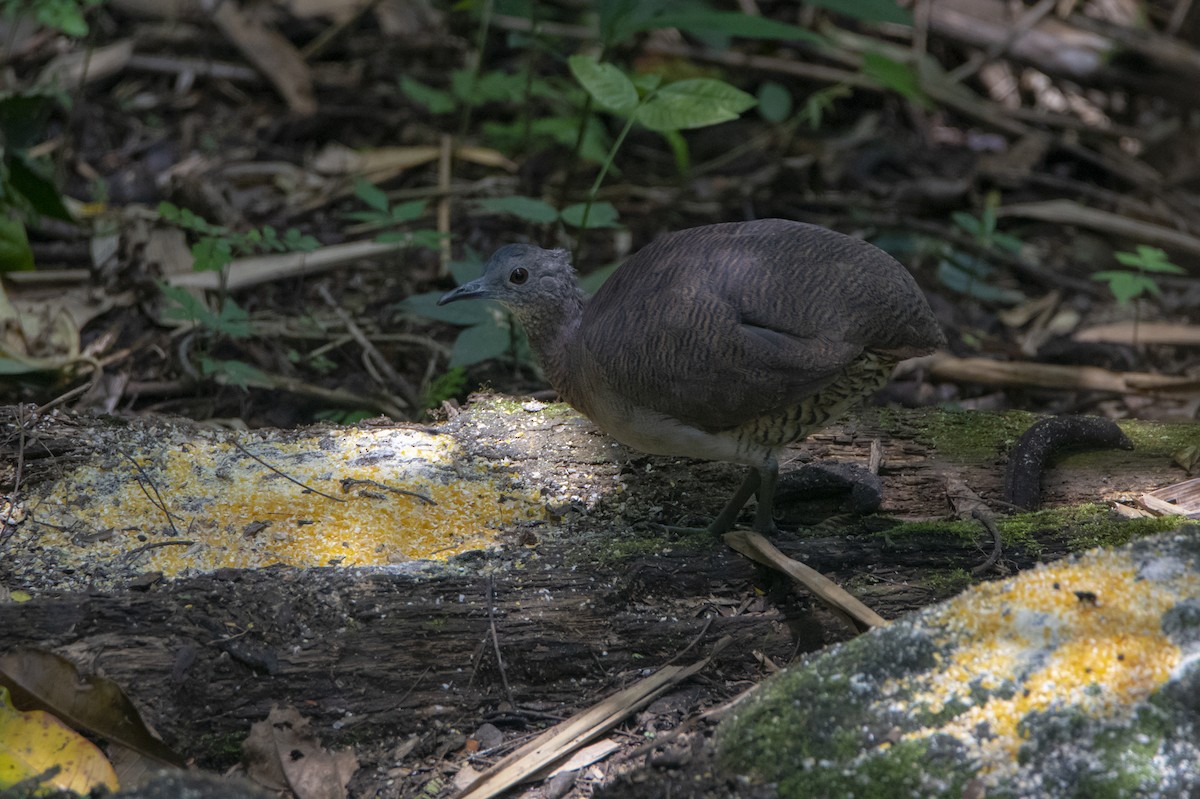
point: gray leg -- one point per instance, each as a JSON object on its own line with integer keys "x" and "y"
{"x": 764, "y": 514}
{"x": 727, "y": 517}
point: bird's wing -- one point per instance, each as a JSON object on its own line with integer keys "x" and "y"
{"x": 704, "y": 364}
{"x": 717, "y": 325}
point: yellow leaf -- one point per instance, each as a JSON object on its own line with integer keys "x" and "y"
{"x": 36, "y": 745}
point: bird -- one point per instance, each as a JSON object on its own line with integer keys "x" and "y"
{"x": 724, "y": 342}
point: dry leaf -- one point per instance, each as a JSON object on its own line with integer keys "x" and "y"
{"x": 281, "y": 753}
{"x": 44, "y": 681}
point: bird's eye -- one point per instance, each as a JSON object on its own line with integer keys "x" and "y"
{"x": 518, "y": 275}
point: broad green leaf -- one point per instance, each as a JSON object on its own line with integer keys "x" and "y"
{"x": 239, "y": 373}
{"x": 28, "y": 180}
{"x": 1126, "y": 286}
{"x": 212, "y": 254}
{"x": 187, "y": 307}
{"x": 1150, "y": 259}
{"x": 607, "y": 84}
{"x": 602, "y": 215}
{"x": 435, "y": 101}
{"x": 468, "y": 312}
{"x": 621, "y": 19}
{"x": 407, "y": 212}
{"x": 774, "y": 101}
{"x": 959, "y": 279}
{"x": 467, "y": 268}
{"x": 693, "y": 103}
{"x": 867, "y": 10}
{"x": 479, "y": 343}
{"x": 527, "y": 208}
{"x": 499, "y": 87}
{"x": 371, "y": 195}
{"x": 592, "y": 281}
{"x": 967, "y": 222}
{"x": 894, "y": 75}
{"x": 646, "y": 82}
{"x": 15, "y": 253}
{"x": 296, "y": 241}
{"x": 233, "y": 320}
{"x": 731, "y": 23}
{"x": 12, "y": 366}
{"x": 427, "y": 239}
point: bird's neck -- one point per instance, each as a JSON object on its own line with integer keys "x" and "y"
{"x": 552, "y": 334}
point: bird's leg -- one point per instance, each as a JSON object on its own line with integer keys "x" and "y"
{"x": 728, "y": 516}
{"x": 764, "y": 513}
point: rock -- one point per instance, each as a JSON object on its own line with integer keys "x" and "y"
{"x": 1080, "y": 678}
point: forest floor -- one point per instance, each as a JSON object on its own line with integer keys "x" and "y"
{"x": 248, "y": 213}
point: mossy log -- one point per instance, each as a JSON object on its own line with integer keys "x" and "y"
{"x": 578, "y": 592}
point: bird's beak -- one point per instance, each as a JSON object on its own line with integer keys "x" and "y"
{"x": 467, "y": 291}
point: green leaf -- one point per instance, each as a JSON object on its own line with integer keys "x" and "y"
{"x": 607, "y": 84}
{"x": 867, "y": 10}
{"x": 434, "y": 100}
{"x": 212, "y": 254}
{"x": 187, "y": 307}
{"x": 233, "y": 321}
{"x": 957, "y": 278}
{"x": 693, "y": 103}
{"x": 1127, "y": 286}
{"x": 821, "y": 101}
{"x": 426, "y": 239}
{"x": 1150, "y": 259}
{"x": 63, "y": 15}
{"x": 499, "y": 87}
{"x": 479, "y": 343}
{"x": 621, "y": 19}
{"x": 239, "y": 373}
{"x": 967, "y": 222}
{"x": 28, "y": 180}
{"x": 468, "y": 312}
{"x": 774, "y": 101}
{"x": 371, "y": 195}
{"x": 646, "y": 82}
{"x": 602, "y": 215}
{"x": 731, "y": 23}
{"x": 15, "y": 253}
{"x": 592, "y": 281}
{"x": 895, "y": 75}
{"x": 296, "y": 241}
{"x": 407, "y": 212}
{"x": 444, "y": 387}
{"x": 467, "y": 268}
{"x": 527, "y": 208}
{"x": 13, "y": 366}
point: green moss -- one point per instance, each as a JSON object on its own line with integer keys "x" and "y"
{"x": 1114, "y": 531}
{"x": 947, "y": 582}
{"x": 606, "y": 548}
{"x": 224, "y": 749}
{"x": 906, "y": 768}
{"x": 504, "y": 403}
{"x": 1075, "y": 527}
{"x": 1159, "y": 440}
{"x": 958, "y": 435}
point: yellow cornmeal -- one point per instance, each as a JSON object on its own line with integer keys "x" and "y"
{"x": 1103, "y": 650}
{"x": 239, "y": 513}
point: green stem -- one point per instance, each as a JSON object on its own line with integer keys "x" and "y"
{"x": 485, "y": 23}
{"x": 591, "y": 198}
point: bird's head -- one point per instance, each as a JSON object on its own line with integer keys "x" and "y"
{"x": 524, "y": 278}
